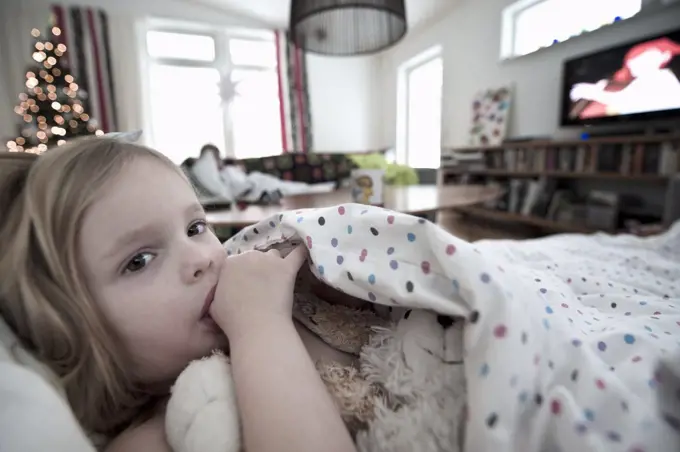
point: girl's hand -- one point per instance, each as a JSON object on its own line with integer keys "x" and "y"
{"x": 256, "y": 288}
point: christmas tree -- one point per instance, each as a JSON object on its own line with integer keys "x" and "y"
{"x": 53, "y": 109}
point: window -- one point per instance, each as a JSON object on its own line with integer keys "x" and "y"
{"x": 419, "y": 110}
{"x": 529, "y": 25}
{"x": 188, "y": 70}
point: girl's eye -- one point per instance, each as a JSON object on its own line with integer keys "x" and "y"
{"x": 197, "y": 228}
{"x": 138, "y": 262}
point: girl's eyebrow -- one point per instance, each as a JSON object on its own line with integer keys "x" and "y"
{"x": 146, "y": 231}
{"x": 131, "y": 237}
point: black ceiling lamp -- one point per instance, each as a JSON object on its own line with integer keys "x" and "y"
{"x": 347, "y": 27}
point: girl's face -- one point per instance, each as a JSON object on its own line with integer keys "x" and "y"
{"x": 647, "y": 62}
{"x": 151, "y": 263}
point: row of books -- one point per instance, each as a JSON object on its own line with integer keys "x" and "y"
{"x": 542, "y": 198}
{"x": 624, "y": 158}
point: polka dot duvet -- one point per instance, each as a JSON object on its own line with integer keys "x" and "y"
{"x": 570, "y": 342}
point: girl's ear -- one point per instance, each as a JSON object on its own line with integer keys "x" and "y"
{"x": 127, "y": 137}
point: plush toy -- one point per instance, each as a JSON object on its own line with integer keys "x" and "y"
{"x": 202, "y": 413}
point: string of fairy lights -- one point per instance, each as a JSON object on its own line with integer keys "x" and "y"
{"x": 67, "y": 113}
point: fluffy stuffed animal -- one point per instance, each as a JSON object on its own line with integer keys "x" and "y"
{"x": 202, "y": 413}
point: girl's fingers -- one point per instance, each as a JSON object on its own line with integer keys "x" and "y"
{"x": 296, "y": 258}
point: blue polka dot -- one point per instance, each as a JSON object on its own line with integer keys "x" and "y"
{"x": 334, "y": 243}
{"x": 546, "y": 324}
{"x": 629, "y": 338}
{"x": 349, "y": 229}
{"x": 485, "y": 277}
{"x": 581, "y": 428}
{"x": 589, "y": 414}
{"x": 411, "y": 237}
{"x": 484, "y": 370}
{"x": 576, "y": 342}
{"x": 614, "y": 436}
{"x": 456, "y": 286}
{"x": 299, "y": 219}
{"x": 652, "y": 383}
{"x": 371, "y": 279}
{"x": 394, "y": 265}
{"x": 272, "y": 224}
{"x": 371, "y": 296}
{"x": 548, "y": 309}
{"x": 543, "y": 290}
{"x": 523, "y": 396}
{"x": 390, "y": 251}
{"x": 642, "y": 303}
{"x": 340, "y": 260}
{"x": 321, "y": 269}
{"x": 648, "y": 328}
{"x": 601, "y": 346}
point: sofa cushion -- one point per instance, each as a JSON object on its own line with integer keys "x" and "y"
{"x": 310, "y": 168}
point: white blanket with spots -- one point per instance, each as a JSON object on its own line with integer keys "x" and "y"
{"x": 571, "y": 342}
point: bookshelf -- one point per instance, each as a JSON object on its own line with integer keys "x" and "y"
{"x": 541, "y": 178}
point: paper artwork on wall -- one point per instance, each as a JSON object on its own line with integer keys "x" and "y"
{"x": 490, "y": 115}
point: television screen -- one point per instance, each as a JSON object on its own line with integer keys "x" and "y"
{"x": 640, "y": 80}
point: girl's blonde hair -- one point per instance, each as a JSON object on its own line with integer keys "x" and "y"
{"x": 43, "y": 294}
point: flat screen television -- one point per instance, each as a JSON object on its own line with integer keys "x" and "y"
{"x": 631, "y": 82}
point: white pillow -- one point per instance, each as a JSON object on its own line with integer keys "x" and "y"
{"x": 34, "y": 413}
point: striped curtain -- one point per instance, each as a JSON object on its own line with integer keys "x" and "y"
{"x": 296, "y": 118}
{"x": 85, "y": 32}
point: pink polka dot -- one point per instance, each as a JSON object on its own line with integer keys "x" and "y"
{"x": 390, "y": 219}
{"x": 309, "y": 242}
{"x": 537, "y": 359}
{"x": 425, "y": 267}
{"x": 450, "y": 249}
{"x": 341, "y": 210}
{"x": 565, "y": 305}
{"x": 555, "y": 407}
{"x": 362, "y": 257}
{"x": 657, "y": 313}
{"x": 600, "y": 384}
{"x": 364, "y": 252}
{"x": 500, "y": 331}
{"x": 569, "y": 281}
{"x": 637, "y": 359}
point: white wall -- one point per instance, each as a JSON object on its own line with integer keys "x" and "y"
{"x": 342, "y": 94}
{"x": 470, "y": 35}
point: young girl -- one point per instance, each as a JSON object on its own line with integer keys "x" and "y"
{"x": 112, "y": 278}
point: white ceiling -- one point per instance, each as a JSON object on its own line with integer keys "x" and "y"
{"x": 275, "y": 12}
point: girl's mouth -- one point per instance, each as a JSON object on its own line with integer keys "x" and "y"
{"x": 208, "y": 302}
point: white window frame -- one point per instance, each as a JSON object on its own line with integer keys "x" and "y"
{"x": 403, "y": 72}
{"x": 509, "y": 22}
{"x": 222, "y": 61}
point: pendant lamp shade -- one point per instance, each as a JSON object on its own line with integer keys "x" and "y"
{"x": 347, "y": 27}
